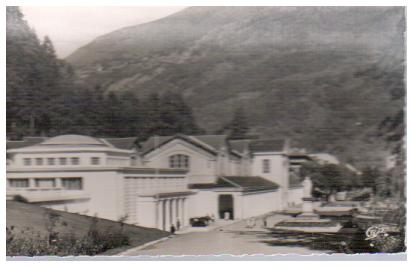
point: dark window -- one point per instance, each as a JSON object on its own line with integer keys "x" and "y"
{"x": 19, "y": 183}
{"x": 27, "y": 161}
{"x": 74, "y": 161}
{"x": 72, "y": 183}
{"x": 179, "y": 161}
{"x": 39, "y": 161}
{"x": 45, "y": 182}
{"x": 95, "y": 160}
{"x": 266, "y": 168}
{"x": 50, "y": 161}
{"x": 62, "y": 161}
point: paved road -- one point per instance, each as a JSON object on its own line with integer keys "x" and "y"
{"x": 234, "y": 239}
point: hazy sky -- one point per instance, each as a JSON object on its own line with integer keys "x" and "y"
{"x": 72, "y": 27}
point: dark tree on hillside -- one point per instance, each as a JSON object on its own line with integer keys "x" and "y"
{"x": 370, "y": 177}
{"x": 112, "y": 125}
{"x": 392, "y": 130}
{"x": 176, "y": 116}
{"x": 35, "y": 80}
{"x": 238, "y": 127}
{"x": 131, "y": 114}
{"x": 80, "y": 112}
{"x": 43, "y": 99}
{"x": 48, "y": 47}
{"x": 23, "y": 51}
{"x": 150, "y": 117}
{"x": 166, "y": 115}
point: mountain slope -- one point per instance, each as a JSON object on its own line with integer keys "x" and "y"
{"x": 322, "y": 76}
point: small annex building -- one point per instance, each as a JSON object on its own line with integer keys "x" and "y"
{"x": 233, "y": 179}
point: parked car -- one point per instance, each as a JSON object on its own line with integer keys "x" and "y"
{"x": 200, "y": 221}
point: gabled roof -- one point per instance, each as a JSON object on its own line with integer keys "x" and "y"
{"x": 267, "y": 145}
{"x": 242, "y": 183}
{"x": 210, "y": 143}
{"x": 152, "y": 142}
{"x": 240, "y": 145}
{"x": 122, "y": 143}
{"x": 215, "y": 141}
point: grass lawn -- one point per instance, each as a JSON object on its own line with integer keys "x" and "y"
{"x": 29, "y": 219}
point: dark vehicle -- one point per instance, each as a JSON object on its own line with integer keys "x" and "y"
{"x": 200, "y": 221}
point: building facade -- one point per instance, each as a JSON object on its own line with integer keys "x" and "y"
{"x": 161, "y": 182}
{"x": 97, "y": 177}
{"x": 229, "y": 177}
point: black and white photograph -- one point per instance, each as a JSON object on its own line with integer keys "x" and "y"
{"x": 136, "y": 131}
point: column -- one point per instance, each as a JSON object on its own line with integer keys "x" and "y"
{"x": 163, "y": 215}
{"x": 159, "y": 212}
{"x": 167, "y": 215}
{"x": 184, "y": 212}
{"x": 173, "y": 212}
{"x": 178, "y": 212}
{"x": 182, "y": 208}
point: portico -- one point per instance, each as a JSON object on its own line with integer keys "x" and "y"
{"x": 171, "y": 211}
{"x": 164, "y": 210}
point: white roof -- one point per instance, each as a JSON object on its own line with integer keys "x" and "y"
{"x": 73, "y": 139}
{"x": 70, "y": 143}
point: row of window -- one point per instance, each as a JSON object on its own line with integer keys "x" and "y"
{"x": 58, "y": 161}
{"x": 175, "y": 161}
{"x": 66, "y": 183}
{"x": 182, "y": 161}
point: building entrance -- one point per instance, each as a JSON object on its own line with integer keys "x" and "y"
{"x": 226, "y": 207}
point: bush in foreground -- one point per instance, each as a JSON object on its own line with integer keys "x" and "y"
{"x": 27, "y": 242}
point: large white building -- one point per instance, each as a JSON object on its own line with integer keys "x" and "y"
{"x": 97, "y": 177}
{"x": 157, "y": 183}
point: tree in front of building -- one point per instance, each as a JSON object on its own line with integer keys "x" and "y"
{"x": 329, "y": 178}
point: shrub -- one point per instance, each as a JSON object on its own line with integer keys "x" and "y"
{"x": 96, "y": 241}
{"x": 19, "y": 198}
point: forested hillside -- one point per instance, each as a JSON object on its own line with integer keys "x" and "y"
{"x": 325, "y": 77}
{"x": 43, "y": 97}
{"x": 330, "y": 79}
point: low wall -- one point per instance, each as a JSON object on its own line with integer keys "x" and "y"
{"x": 255, "y": 204}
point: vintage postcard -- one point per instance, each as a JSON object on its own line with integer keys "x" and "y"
{"x": 205, "y": 130}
